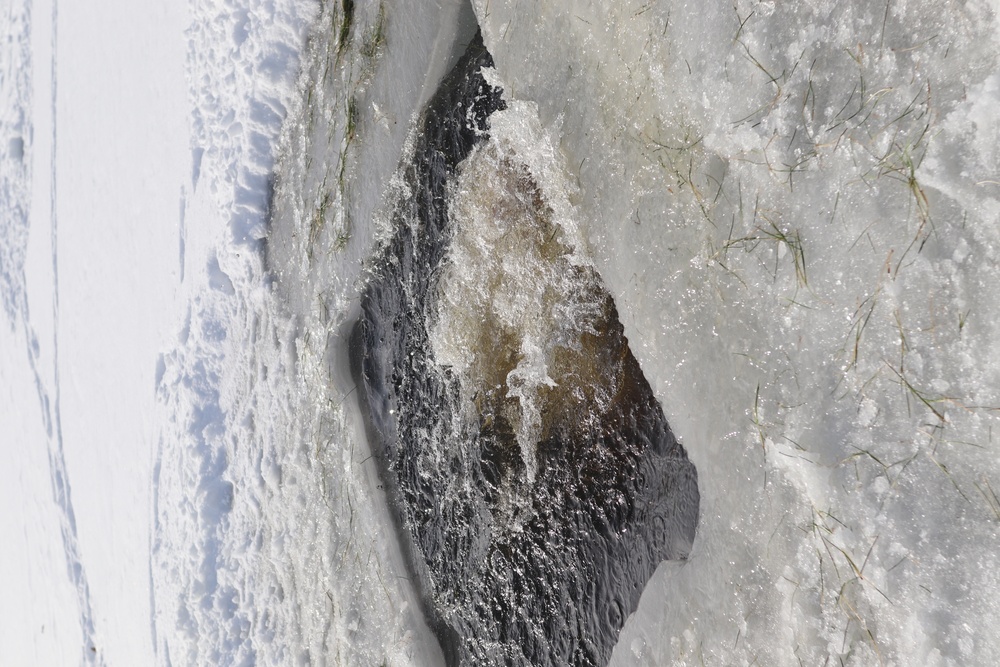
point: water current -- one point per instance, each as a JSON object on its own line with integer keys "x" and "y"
{"x": 534, "y": 478}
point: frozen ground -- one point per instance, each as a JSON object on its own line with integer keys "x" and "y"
{"x": 796, "y": 206}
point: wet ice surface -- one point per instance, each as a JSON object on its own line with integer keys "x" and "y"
{"x": 784, "y": 198}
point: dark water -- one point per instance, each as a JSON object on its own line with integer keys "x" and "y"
{"x": 512, "y": 572}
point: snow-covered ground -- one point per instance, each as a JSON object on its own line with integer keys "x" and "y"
{"x": 105, "y": 235}
{"x": 88, "y": 295}
{"x": 796, "y": 206}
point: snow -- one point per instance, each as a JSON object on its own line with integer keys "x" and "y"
{"x": 41, "y": 624}
{"x": 796, "y": 206}
{"x": 96, "y": 235}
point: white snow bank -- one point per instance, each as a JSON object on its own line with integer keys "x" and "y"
{"x": 242, "y": 63}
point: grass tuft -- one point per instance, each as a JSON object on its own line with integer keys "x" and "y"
{"x": 374, "y": 38}
{"x": 346, "y": 24}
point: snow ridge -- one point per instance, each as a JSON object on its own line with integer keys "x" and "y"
{"x": 242, "y": 66}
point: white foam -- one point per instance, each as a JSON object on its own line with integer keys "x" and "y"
{"x": 509, "y": 295}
